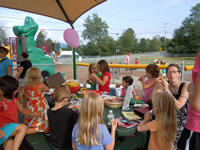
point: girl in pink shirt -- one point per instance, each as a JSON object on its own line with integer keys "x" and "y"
{"x": 126, "y": 81}
{"x": 152, "y": 74}
{"x": 191, "y": 134}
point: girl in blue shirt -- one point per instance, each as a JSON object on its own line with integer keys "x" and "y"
{"x": 90, "y": 133}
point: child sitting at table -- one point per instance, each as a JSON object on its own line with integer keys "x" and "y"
{"x": 90, "y": 132}
{"x": 163, "y": 129}
{"x": 36, "y": 102}
{"x": 91, "y": 80}
{"x": 11, "y": 132}
{"x": 152, "y": 73}
{"x": 126, "y": 81}
{"x": 61, "y": 119}
{"x": 104, "y": 80}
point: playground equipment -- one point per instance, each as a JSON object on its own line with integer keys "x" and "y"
{"x": 36, "y": 55}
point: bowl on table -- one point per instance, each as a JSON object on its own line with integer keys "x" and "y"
{"x": 113, "y": 102}
{"x": 74, "y": 89}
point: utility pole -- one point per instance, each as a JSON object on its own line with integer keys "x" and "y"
{"x": 165, "y": 49}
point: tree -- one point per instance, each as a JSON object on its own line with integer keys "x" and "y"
{"x": 155, "y": 44}
{"x": 187, "y": 37}
{"x": 143, "y": 45}
{"x": 2, "y": 36}
{"x": 96, "y": 30}
{"x": 41, "y": 38}
{"x": 128, "y": 41}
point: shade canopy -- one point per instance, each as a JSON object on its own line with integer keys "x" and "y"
{"x": 65, "y": 10}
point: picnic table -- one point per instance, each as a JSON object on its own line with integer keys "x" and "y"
{"x": 126, "y": 138}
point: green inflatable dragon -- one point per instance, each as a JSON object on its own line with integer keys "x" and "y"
{"x": 36, "y": 55}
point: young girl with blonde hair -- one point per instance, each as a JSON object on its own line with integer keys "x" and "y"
{"x": 163, "y": 129}
{"x": 90, "y": 132}
{"x": 91, "y": 80}
{"x": 36, "y": 102}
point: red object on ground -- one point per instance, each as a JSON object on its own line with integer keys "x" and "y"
{"x": 74, "y": 89}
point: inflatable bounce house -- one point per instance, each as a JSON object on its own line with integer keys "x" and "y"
{"x": 36, "y": 55}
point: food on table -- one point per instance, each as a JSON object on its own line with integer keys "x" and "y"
{"x": 72, "y": 83}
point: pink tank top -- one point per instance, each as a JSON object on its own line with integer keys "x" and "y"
{"x": 147, "y": 93}
{"x": 193, "y": 119}
{"x": 124, "y": 92}
{"x": 193, "y": 116}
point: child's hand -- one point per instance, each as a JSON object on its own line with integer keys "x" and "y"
{"x": 2, "y": 134}
{"x": 36, "y": 114}
{"x": 141, "y": 78}
{"x": 114, "y": 124}
{"x": 165, "y": 84}
{"x": 93, "y": 75}
{"x": 71, "y": 106}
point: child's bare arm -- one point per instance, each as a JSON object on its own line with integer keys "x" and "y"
{"x": 101, "y": 82}
{"x": 25, "y": 112}
{"x": 143, "y": 125}
{"x": 148, "y": 85}
{"x": 44, "y": 88}
{"x": 73, "y": 146}
{"x": 113, "y": 129}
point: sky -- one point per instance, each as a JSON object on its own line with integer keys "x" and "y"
{"x": 148, "y": 18}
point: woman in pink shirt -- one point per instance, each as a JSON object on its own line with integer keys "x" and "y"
{"x": 190, "y": 137}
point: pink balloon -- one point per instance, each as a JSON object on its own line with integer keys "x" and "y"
{"x": 71, "y": 38}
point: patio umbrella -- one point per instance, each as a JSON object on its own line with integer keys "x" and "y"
{"x": 66, "y": 10}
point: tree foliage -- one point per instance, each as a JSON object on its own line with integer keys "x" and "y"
{"x": 96, "y": 31}
{"x": 187, "y": 37}
{"x": 2, "y": 36}
{"x": 41, "y": 38}
{"x": 128, "y": 41}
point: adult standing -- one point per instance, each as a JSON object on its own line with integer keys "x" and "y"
{"x": 6, "y": 65}
{"x": 22, "y": 69}
{"x": 24, "y": 66}
{"x": 190, "y": 136}
{"x": 179, "y": 91}
{"x": 127, "y": 60}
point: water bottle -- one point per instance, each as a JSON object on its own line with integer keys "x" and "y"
{"x": 110, "y": 117}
